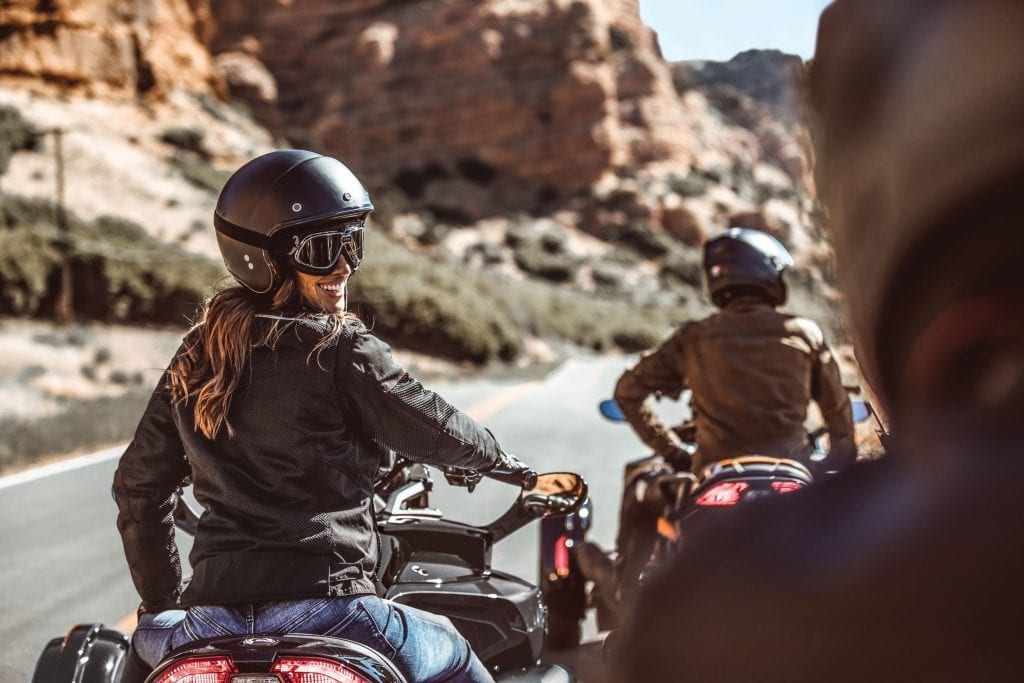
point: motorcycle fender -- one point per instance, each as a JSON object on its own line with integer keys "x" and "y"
{"x": 89, "y": 653}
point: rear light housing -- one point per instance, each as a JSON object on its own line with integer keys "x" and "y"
{"x": 284, "y": 670}
{"x": 786, "y": 486}
{"x": 199, "y": 670}
{"x": 723, "y": 494}
{"x": 314, "y": 670}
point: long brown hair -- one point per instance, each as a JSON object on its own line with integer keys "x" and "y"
{"x": 209, "y": 366}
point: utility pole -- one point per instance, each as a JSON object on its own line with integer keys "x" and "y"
{"x": 64, "y": 310}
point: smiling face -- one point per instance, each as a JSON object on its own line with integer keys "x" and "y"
{"x": 326, "y": 293}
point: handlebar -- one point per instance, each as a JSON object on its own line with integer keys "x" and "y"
{"x": 456, "y": 476}
{"x": 526, "y": 479}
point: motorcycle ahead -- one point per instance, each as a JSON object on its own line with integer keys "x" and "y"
{"x": 428, "y": 562}
{"x": 677, "y": 502}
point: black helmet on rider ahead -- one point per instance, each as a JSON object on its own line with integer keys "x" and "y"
{"x": 742, "y": 262}
{"x": 290, "y": 207}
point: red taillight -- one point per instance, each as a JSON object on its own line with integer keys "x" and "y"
{"x": 198, "y": 670}
{"x": 724, "y": 494}
{"x": 312, "y": 670}
{"x": 786, "y": 486}
{"x": 562, "y": 546}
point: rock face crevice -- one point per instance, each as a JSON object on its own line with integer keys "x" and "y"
{"x": 127, "y": 48}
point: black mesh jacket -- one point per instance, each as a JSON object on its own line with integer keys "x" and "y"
{"x": 287, "y": 499}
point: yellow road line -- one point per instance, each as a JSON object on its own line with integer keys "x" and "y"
{"x": 492, "y": 405}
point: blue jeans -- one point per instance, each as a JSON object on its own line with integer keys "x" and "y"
{"x": 425, "y": 647}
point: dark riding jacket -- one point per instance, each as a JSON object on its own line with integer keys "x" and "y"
{"x": 753, "y": 371}
{"x": 287, "y": 497}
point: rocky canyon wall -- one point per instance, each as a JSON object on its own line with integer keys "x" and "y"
{"x": 503, "y": 103}
{"x": 106, "y": 48}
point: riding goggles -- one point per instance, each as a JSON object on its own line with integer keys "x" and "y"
{"x": 318, "y": 253}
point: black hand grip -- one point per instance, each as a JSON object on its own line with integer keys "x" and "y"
{"x": 526, "y": 479}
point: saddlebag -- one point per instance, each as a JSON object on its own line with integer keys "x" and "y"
{"x": 89, "y": 653}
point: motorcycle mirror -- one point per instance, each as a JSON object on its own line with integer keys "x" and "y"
{"x": 556, "y": 493}
{"x": 611, "y": 410}
{"x": 861, "y": 411}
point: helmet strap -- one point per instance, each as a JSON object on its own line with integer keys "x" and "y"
{"x": 250, "y": 237}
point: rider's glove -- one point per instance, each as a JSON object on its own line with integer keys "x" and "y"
{"x": 841, "y": 455}
{"x": 508, "y": 464}
{"x": 679, "y": 457}
{"x": 512, "y": 470}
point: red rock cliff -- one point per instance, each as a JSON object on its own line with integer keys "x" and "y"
{"x": 110, "y": 48}
{"x": 510, "y": 101}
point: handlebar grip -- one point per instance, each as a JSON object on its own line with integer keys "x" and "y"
{"x": 526, "y": 479}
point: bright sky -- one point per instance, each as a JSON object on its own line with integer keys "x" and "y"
{"x": 718, "y": 29}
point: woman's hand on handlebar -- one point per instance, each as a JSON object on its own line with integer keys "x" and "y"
{"x": 509, "y": 469}
{"x": 457, "y": 476}
{"x": 512, "y": 470}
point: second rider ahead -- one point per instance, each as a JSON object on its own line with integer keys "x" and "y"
{"x": 752, "y": 370}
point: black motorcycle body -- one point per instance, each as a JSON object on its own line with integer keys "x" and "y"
{"x": 685, "y": 501}
{"x": 427, "y": 562}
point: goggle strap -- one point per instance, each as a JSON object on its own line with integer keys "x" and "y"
{"x": 250, "y": 237}
{"x": 281, "y": 244}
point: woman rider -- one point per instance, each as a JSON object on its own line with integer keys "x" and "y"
{"x": 279, "y": 406}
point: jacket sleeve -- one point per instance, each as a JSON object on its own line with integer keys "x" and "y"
{"x": 147, "y": 476}
{"x": 657, "y": 372}
{"x": 399, "y": 413}
{"x": 828, "y": 392}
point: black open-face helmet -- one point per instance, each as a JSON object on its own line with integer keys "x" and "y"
{"x": 290, "y": 207}
{"x": 742, "y": 262}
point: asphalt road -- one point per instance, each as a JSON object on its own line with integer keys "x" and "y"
{"x": 62, "y": 561}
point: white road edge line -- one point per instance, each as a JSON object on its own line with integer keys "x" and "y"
{"x": 62, "y": 466}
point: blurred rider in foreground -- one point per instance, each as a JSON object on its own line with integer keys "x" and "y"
{"x": 752, "y": 370}
{"x": 908, "y": 568}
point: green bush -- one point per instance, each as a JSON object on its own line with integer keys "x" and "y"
{"x": 15, "y": 134}
{"x": 685, "y": 266}
{"x": 198, "y": 171}
{"x": 81, "y": 426}
{"x": 438, "y": 306}
{"x": 534, "y": 259}
{"x": 641, "y": 236}
{"x": 118, "y": 272}
{"x": 429, "y": 304}
{"x": 695, "y": 184}
{"x": 187, "y": 138}
{"x": 541, "y": 253}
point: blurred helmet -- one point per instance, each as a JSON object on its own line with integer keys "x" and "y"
{"x": 743, "y": 262}
{"x": 920, "y": 154}
{"x": 289, "y": 207}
